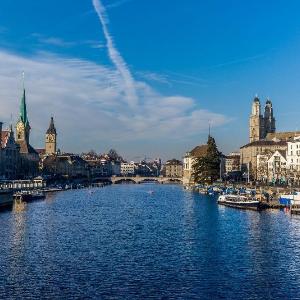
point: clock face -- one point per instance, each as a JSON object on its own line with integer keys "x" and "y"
{"x": 20, "y": 126}
{"x": 50, "y": 138}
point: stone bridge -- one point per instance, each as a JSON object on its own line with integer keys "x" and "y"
{"x": 141, "y": 179}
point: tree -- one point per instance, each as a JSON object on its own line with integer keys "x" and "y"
{"x": 207, "y": 167}
{"x": 112, "y": 153}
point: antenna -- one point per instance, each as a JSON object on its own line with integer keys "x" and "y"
{"x": 209, "y": 125}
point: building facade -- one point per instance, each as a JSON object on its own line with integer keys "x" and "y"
{"x": 188, "y": 162}
{"x": 173, "y": 168}
{"x": 127, "y": 169}
{"x": 9, "y": 154}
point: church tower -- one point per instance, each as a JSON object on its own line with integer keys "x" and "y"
{"x": 50, "y": 141}
{"x": 257, "y": 124}
{"x": 269, "y": 118}
{"x": 22, "y": 126}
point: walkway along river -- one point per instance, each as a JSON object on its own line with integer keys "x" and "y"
{"x": 142, "y": 241}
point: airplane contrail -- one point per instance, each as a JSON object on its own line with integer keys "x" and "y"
{"x": 115, "y": 55}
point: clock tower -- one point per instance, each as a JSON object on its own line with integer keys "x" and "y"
{"x": 22, "y": 126}
{"x": 50, "y": 141}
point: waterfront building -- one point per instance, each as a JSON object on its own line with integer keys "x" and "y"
{"x": 127, "y": 168}
{"x": 29, "y": 158}
{"x": 293, "y": 159}
{"x": 277, "y": 167}
{"x": 103, "y": 165}
{"x": 173, "y": 168}
{"x": 50, "y": 139}
{"x": 232, "y": 162}
{"x": 9, "y": 154}
{"x": 148, "y": 168}
{"x": 188, "y": 161}
{"x": 232, "y": 168}
{"x": 272, "y": 167}
{"x": 67, "y": 165}
{"x": 250, "y": 152}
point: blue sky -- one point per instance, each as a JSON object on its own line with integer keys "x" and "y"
{"x": 177, "y": 66}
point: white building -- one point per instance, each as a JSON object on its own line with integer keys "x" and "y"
{"x": 293, "y": 154}
{"x": 189, "y": 160}
{"x": 277, "y": 167}
{"x": 127, "y": 168}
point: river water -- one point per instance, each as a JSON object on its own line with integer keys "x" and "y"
{"x": 124, "y": 242}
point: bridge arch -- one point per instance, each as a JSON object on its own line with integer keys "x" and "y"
{"x": 124, "y": 180}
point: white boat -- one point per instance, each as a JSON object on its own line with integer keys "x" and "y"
{"x": 238, "y": 201}
{"x": 290, "y": 199}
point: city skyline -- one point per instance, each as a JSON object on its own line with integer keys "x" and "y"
{"x": 130, "y": 87}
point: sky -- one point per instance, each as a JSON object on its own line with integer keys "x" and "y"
{"x": 147, "y": 77}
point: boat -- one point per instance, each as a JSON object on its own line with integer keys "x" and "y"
{"x": 239, "y": 201}
{"x": 290, "y": 199}
{"x": 29, "y": 195}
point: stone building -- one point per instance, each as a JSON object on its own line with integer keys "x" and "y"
{"x": 50, "y": 139}
{"x": 261, "y": 124}
{"x": 127, "y": 168}
{"x": 188, "y": 161}
{"x": 9, "y": 154}
{"x": 173, "y": 168}
{"x": 273, "y": 167}
{"x": 29, "y": 158}
{"x": 232, "y": 167}
{"x": 250, "y": 152}
{"x": 66, "y": 165}
{"x": 232, "y": 162}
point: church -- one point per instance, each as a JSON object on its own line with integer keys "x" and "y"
{"x": 261, "y": 124}
{"x": 29, "y": 158}
{"x": 263, "y": 138}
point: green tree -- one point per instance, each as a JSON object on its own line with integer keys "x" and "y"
{"x": 207, "y": 168}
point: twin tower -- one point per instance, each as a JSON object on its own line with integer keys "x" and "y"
{"x": 261, "y": 125}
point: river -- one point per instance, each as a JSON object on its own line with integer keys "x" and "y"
{"x": 146, "y": 241}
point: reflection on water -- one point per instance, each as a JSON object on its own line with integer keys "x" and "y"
{"x": 124, "y": 242}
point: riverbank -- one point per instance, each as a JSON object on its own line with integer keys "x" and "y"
{"x": 268, "y": 196}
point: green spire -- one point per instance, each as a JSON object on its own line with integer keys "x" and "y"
{"x": 23, "y": 109}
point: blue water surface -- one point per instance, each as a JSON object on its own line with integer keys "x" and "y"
{"x": 146, "y": 242}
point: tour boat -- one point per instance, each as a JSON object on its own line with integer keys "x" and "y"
{"x": 238, "y": 201}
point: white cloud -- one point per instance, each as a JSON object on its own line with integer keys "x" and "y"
{"x": 90, "y": 106}
{"x": 115, "y": 55}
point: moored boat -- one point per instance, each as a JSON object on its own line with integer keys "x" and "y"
{"x": 29, "y": 195}
{"x": 239, "y": 201}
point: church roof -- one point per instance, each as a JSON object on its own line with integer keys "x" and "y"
{"x": 199, "y": 151}
{"x": 283, "y": 136}
{"x": 23, "y": 109}
{"x": 265, "y": 143}
{"x": 51, "y": 129}
{"x": 40, "y": 151}
{"x": 26, "y": 148}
